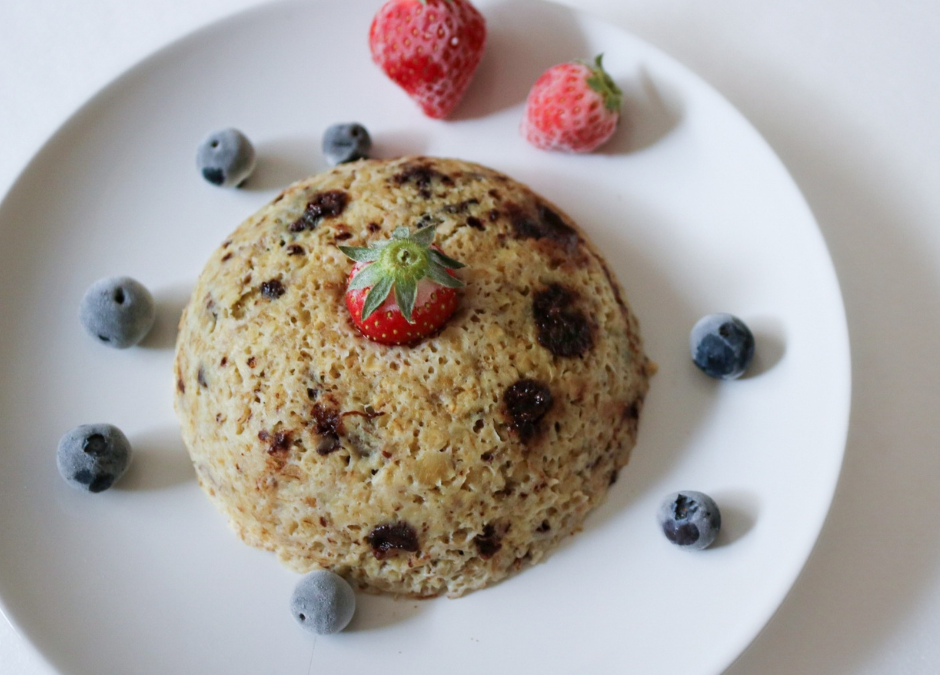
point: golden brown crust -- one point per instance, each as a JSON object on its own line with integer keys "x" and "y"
{"x": 309, "y": 437}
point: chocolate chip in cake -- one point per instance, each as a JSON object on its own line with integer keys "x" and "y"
{"x": 390, "y": 538}
{"x": 488, "y": 543}
{"x": 329, "y": 425}
{"x": 272, "y": 289}
{"x": 327, "y": 204}
{"x": 421, "y": 175}
{"x": 544, "y": 224}
{"x": 461, "y": 207}
{"x": 563, "y": 329}
{"x": 527, "y": 402}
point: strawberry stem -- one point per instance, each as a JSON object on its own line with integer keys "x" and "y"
{"x": 601, "y": 82}
{"x": 400, "y": 263}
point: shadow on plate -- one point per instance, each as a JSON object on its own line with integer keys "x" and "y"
{"x": 378, "y": 611}
{"x": 398, "y": 143}
{"x": 170, "y": 303}
{"x": 651, "y": 110}
{"x": 160, "y": 461}
{"x": 283, "y": 161}
{"x": 769, "y": 345}
{"x": 513, "y": 61}
{"x": 739, "y": 511}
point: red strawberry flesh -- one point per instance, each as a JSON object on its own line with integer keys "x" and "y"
{"x": 430, "y": 49}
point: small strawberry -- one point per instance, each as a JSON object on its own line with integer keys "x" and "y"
{"x": 429, "y": 48}
{"x": 420, "y": 275}
{"x": 573, "y": 107}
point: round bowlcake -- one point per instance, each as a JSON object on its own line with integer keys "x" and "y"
{"x": 416, "y": 470}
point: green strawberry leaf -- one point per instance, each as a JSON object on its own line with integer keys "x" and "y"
{"x": 439, "y": 275}
{"x": 425, "y": 236}
{"x": 604, "y": 85}
{"x": 361, "y": 254}
{"x": 367, "y": 276}
{"x": 406, "y": 290}
{"x": 445, "y": 261}
{"x": 376, "y": 296}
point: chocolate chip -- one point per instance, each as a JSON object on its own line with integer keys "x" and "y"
{"x": 422, "y": 175}
{"x": 272, "y": 289}
{"x": 294, "y": 249}
{"x": 475, "y": 223}
{"x": 328, "y": 444}
{"x": 544, "y": 224}
{"x": 374, "y": 227}
{"x": 252, "y": 361}
{"x": 327, "y": 204}
{"x": 488, "y": 543}
{"x": 280, "y": 442}
{"x": 493, "y": 215}
{"x": 461, "y": 207}
{"x": 227, "y": 257}
{"x": 389, "y": 538}
{"x": 527, "y": 402}
{"x": 329, "y": 425}
{"x": 562, "y": 329}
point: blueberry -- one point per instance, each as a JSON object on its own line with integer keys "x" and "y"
{"x": 226, "y": 158}
{"x": 93, "y": 456}
{"x": 690, "y": 519}
{"x": 118, "y": 311}
{"x": 722, "y": 346}
{"x": 346, "y": 143}
{"x": 323, "y": 602}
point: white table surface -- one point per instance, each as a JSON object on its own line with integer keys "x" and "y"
{"x": 848, "y": 94}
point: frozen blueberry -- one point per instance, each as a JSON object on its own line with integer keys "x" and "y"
{"x": 346, "y": 143}
{"x": 690, "y": 519}
{"x": 93, "y": 456}
{"x": 226, "y": 158}
{"x": 118, "y": 311}
{"x": 323, "y": 602}
{"x": 722, "y": 346}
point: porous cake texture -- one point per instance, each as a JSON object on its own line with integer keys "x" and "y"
{"x": 416, "y": 470}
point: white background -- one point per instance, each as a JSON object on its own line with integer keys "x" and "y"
{"x": 847, "y": 92}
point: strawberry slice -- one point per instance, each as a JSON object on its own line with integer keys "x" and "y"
{"x": 402, "y": 289}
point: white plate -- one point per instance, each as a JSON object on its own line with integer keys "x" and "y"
{"x": 695, "y": 213}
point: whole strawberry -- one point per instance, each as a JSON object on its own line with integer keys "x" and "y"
{"x": 402, "y": 289}
{"x": 573, "y": 107}
{"x": 430, "y": 48}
